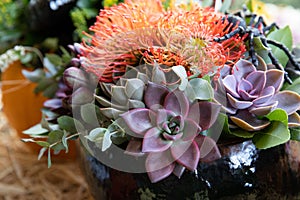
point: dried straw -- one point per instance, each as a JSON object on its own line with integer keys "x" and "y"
{"x": 23, "y": 177}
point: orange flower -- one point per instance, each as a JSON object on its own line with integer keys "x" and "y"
{"x": 138, "y": 32}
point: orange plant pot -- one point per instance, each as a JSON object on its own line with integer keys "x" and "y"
{"x": 22, "y": 107}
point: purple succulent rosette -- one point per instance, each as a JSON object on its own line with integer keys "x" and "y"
{"x": 252, "y": 92}
{"x": 256, "y": 105}
{"x": 168, "y": 130}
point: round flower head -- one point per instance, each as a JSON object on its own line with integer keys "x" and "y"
{"x": 134, "y": 33}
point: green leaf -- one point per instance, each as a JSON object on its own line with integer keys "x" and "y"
{"x": 295, "y": 86}
{"x": 51, "y": 43}
{"x": 283, "y": 36}
{"x": 199, "y": 89}
{"x": 64, "y": 141}
{"x": 250, "y": 5}
{"x": 34, "y": 76}
{"x": 295, "y": 134}
{"x": 90, "y": 113}
{"x": 42, "y": 143}
{"x": 222, "y": 123}
{"x": 45, "y": 123}
{"x": 49, "y": 158}
{"x": 219, "y": 125}
{"x": 55, "y": 139}
{"x": 206, "y": 3}
{"x": 51, "y": 90}
{"x": 225, "y": 5}
{"x": 66, "y": 56}
{"x": 70, "y": 124}
{"x": 55, "y": 136}
{"x": 259, "y": 45}
{"x": 36, "y": 130}
{"x": 261, "y": 50}
{"x": 51, "y": 68}
{"x": 26, "y": 58}
{"x": 180, "y": 71}
{"x": 42, "y": 152}
{"x": 107, "y": 140}
{"x": 44, "y": 84}
{"x": 54, "y": 59}
{"x": 242, "y": 133}
{"x": 277, "y": 133}
{"x": 96, "y": 135}
{"x": 278, "y": 115}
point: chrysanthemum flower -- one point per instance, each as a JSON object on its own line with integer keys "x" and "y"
{"x": 138, "y": 32}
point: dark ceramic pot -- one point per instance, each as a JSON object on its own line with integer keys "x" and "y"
{"x": 243, "y": 172}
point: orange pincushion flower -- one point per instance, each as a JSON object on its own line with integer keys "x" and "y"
{"x": 138, "y": 32}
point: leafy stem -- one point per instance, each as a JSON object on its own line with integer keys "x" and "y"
{"x": 67, "y": 138}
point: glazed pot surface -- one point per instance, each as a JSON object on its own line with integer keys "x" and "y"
{"x": 243, "y": 172}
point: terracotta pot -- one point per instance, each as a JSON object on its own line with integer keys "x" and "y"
{"x": 243, "y": 172}
{"x": 21, "y": 106}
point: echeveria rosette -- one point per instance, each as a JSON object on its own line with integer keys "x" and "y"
{"x": 127, "y": 93}
{"x": 168, "y": 130}
{"x": 251, "y": 92}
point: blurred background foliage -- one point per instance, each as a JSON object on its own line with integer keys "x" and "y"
{"x": 45, "y": 24}
{"x": 294, "y": 3}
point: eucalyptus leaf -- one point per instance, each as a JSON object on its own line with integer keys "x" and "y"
{"x": 277, "y": 133}
{"x": 55, "y": 136}
{"x": 51, "y": 90}
{"x": 66, "y": 56}
{"x": 45, "y": 124}
{"x": 70, "y": 124}
{"x": 43, "y": 84}
{"x": 49, "y": 159}
{"x": 225, "y": 5}
{"x": 283, "y": 36}
{"x": 55, "y": 139}
{"x": 36, "y": 130}
{"x": 42, "y": 143}
{"x": 90, "y": 113}
{"x": 42, "y": 152}
{"x": 51, "y": 68}
{"x": 107, "y": 140}
{"x": 96, "y": 135}
{"x": 34, "y": 76}
{"x": 55, "y": 60}
{"x": 26, "y": 58}
{"x": 199, "y": 89}
{"x": 64, "y": 141}
{"x": 180, "y": 71}
{"x": 206, "y": 3}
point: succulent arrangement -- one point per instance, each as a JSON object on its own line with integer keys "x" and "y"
{"x": 157, "y": 84}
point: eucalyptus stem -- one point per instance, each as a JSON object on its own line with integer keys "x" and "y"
{"x": 67, "y": 138}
